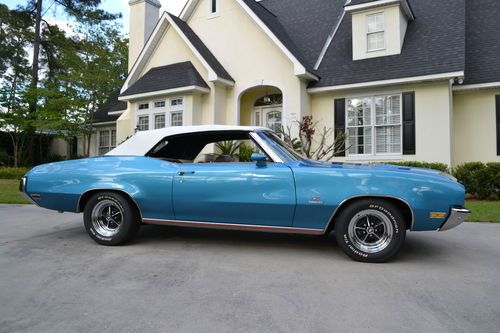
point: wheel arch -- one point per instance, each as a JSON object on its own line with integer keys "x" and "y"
{"x": 85, "y": 196}
{"x": 404, "y": 206}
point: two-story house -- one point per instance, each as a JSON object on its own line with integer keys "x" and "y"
{"x": 406, "y": 79}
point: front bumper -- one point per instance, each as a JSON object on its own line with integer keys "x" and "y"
{"x": 457, "y": 216}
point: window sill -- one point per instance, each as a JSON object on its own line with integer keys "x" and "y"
{"x": 374, "y": 158}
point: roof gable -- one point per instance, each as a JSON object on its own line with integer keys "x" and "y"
{"x": 165, "y": 78}
{"x": 272, "y": 27}
{"x": 216, "y": 71}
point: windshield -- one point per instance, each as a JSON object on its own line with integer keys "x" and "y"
{"x": 280, "y": 147}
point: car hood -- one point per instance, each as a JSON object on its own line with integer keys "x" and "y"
{"x": 376, "y": 167}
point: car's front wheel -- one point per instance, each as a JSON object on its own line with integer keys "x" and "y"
{"x": 370, "y": 230}
{"x": 110, "y": 219}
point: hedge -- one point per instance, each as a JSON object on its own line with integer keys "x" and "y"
{"x": 12, "y": 173}
{"x": 436, "y": 166}
{"x": 480, "y": 180}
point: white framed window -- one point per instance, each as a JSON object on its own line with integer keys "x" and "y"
{"x": 375, "y": 32}
{"x": 213, "y": 7}
{"x": 374, "y": 126}
{"x": 166, "y": 112}
{"x": 159, "y": 104}
{"x": 143, "y": 123}
{"x": 177, "y": 102}
{"x": 176, "y": 118}
{"x": 159, "y": 120}
{"x": 106, "y": 141}
{"x": 257, "y": 120}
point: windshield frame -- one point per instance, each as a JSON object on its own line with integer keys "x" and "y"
{"x": 279, "y": 147}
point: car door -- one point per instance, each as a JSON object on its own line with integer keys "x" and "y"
{"x": 236, "y": 193}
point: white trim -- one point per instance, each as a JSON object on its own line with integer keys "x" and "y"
{"x": 162, "y": 26}
{"x": 299, "y": 69}
{"x": 329, "y": 40}
{"x": 477, "y": 86}
{"x": 211, "y": 14}
{"x": 380, "y": 3}
{"x": 414, "y": 79}
{"x": 105, "y": 123}
{"x": 116, "y": 113}
{"x": 195, "y": 89}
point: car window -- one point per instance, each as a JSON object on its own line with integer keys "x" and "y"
{"x": 230, "y": 151}
{"x": 206, "y": 147}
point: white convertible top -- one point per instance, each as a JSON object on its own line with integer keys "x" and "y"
{"x": 143, "y": 142}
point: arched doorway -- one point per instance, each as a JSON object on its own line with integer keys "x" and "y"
{"x": 262, "y": 106}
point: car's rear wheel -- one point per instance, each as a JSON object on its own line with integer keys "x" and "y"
{"x": 370, "y": 230}
{"x": 110, "y": 219}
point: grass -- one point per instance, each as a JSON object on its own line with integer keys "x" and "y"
{"x": 482, "y": 211}
{"x": 9, "y": 192}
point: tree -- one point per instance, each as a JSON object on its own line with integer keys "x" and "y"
{"x": 88, "y": 71}
{"x": 14, "y": 77}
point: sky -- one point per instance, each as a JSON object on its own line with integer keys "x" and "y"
{"x": 56, "y": 15}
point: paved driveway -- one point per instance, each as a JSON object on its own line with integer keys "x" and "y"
{"x": 53, "y": 278}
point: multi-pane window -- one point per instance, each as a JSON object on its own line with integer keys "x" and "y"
{"x": 176, "y": 102}
{"x": 374, "y": 125}
{"x": 159, "y": 121}
{"x": 375, "y": 32}
{"x": 176, "y": 118}
{"x": 143, "y": 123}
{"x": 159, "y": 104}
{"x": 163, "y": 113}
{"x": 107, "y": 141}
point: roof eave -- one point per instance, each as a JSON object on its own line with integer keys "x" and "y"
{"x": 188, "y": 89}
{"x": 382, "y": 3}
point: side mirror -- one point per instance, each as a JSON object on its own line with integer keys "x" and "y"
{"x": 260, "y": 159}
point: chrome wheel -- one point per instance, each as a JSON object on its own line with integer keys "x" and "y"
{"x": 107, "y": 218}
{"x": 370, "y": 231}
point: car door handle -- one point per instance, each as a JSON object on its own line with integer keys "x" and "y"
{"x": 182, "y": 173}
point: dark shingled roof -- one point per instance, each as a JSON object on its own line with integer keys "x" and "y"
{"x": 482, "y": 42}
{"x": 272, "y": 22}
{"x": 202, "y": 48}
{"x": 112, "y": 104}
{"x": 178, "y": 75}
{"x": 434, "y": 44}
{"x": 308, "y": 22}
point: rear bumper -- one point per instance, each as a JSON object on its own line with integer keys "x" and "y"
{"x": 457, "y": 216}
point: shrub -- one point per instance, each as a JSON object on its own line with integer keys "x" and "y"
{"x": 12, "y": 173}
{"x": 480, "y": 180}
{"x": 436, "y": 166}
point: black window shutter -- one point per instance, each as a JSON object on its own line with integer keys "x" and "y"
{"x": 340, "y": 121}
{"x": 409, "y": 123}
{"x": 497, "y": 99}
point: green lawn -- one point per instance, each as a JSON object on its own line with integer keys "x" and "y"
{"x": 482, "y": 211}
{"x": 9, "y": 192}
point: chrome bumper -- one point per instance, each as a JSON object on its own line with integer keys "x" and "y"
{"x": 457, "y": 216}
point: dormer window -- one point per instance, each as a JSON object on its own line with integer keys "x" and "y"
{"x": 213, "y": 7}
{"x": 375, "y": 32}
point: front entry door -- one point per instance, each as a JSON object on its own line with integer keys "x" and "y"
{"x": 236, "y": 193}
{"x": 269, "y": 116}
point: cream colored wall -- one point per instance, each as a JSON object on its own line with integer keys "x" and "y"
{"x": 474, "y": 121}
{"x": 432, "y": 117}
{"x": 248, "y": 55}
{"x": 395, "y": 26}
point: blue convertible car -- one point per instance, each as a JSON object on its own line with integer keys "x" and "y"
{"x": 246, "y": 178}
